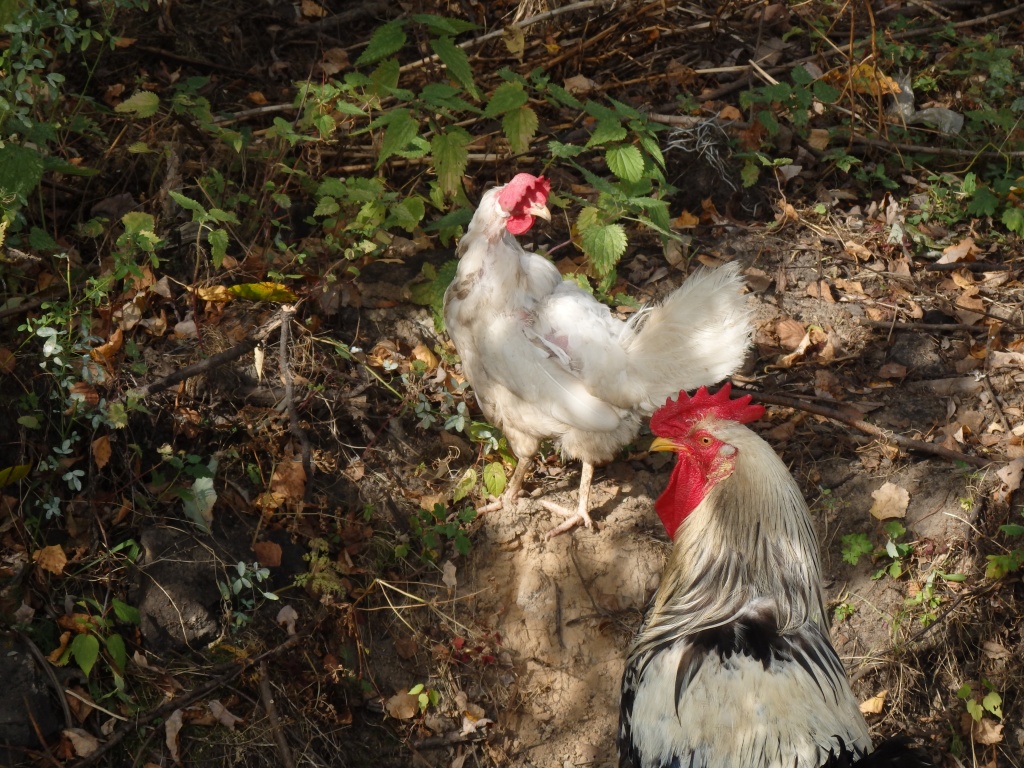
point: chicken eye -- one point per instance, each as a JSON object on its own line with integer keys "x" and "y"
{"x": 705, "y": 440}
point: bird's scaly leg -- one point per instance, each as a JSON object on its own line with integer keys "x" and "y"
{"x": 582, "y": 513}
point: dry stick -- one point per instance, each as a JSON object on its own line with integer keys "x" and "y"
{"x": 970, "y": 266}
{"x": 179, "y": 702}
{"x": 209, "y": 364}
{"x": 284, "y": 365}
{"x": 267, "y": 697}
{"x": 870, "y": 429}
{"x": 923, "y": 326}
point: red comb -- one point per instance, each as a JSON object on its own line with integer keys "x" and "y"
{"x": 676, "y": 416}
{"x": 524, "y": 189}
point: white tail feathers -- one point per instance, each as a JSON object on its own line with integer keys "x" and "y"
{"x": 698, "y": 336}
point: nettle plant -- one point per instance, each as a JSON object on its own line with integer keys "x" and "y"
{"x": 432, "y": 125}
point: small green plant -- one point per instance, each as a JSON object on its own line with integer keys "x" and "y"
{"x": 241, "y": 593}
{"x": 1010, "y": 561}
{"x": 96, "y": 638}
{"x": 426, "y": 697}
{"x": 856, "y": 545}
{"x": 433, "y": 528}
{"x": 843, "y": 611}
{"x": 977, "y": 705}
{"x": 926, "y": 600}
{"x": 324, "y": 577}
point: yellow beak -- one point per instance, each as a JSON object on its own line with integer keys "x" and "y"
{"x": 663, "y": 444}
{"x": 540, "y": 210}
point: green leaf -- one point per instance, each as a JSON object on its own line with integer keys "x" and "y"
{"x": 626, "y": 162}
{"x": 445, "y": 96}
{"x": 384, "y": 41}
{"x": 560, "y": 150}
{"x": 519, "y": 126}
{"x": 408, "y": 213}
{"x": 129, "y": 614}
{"x": 494, "y": 478}
{"x": 855, "y": 546}
{"x": 188, "y": 204}
{"x": 85, "y": 649}
{"x": 975, "y": 709}
{"x": 465, "y": 485}
{"x": 218, "y": 239}
{"x": 416, "y": 689}
{"x": 506, "y": 97}
{"x": 607, "y": 131}
{"x": 384, "y": 79}
{"x": 457, "y": 62}
{"x": 1013, "y": 220}
{"x": 993, "y": 702}
{"x": 449, "y": 149}
{"x": 604, "y": 244}
{"x": 401, "y": 129}
{"x": 21, "y": 169}
{"x": 1012, "y": 530}
{"x": 118, "y": 653}
{"x": 983, "y": 203}
{"x": 141, "y": 103}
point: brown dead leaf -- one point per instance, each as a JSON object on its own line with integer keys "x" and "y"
{"x": 107, "y": 351}
{"x": 892, "y": 371}
{"x": 790, "y": 332}
{"x": 862, "y": 78}
{"x": 426, "y": 355}
{"x": 355, "y": 470}
{"x": 402, "y": 706}
{"x": 821, "y": 290}
{"x": 819, "y": 139}
{"x": 729, "y": 112}
{"x": 995, "y": 650}
{"x": 965, "y": 250}
{"x": 86, "y": 393}
{"x": 222, "y": 715}
{"x": 580, "y": 84}
{"x": 7, "y": 360}
{"x": 215, "y": 293}
{"x": 51, "y": 558}
{"x": 986, "y": 731}
{"x": 850, "y": 286}
{"x": 891, "y": 501}
{"x": 678, "y": 74}
{"x": 875, "y": 704}
{"x": 172, "y": 727}
{"x": 83, "y": 742}
{"x": 786, "y": 214}
{"x": 858, "y": 251}
{"x": 268, "y": 553}
{"x": 685, "y": 220}
{"x": 313, "y": 10}
{"x": 81, "y": 704}
{"x": 101, "y": 451}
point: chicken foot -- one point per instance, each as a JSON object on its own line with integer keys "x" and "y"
{"x": 582, "y": 513}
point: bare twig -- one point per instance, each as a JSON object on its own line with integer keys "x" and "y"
{"x": 924, "y": 326}
{"x": 970, "y": 266}
{"x": 870, "y": 429}
{"x": 267, "y": 697}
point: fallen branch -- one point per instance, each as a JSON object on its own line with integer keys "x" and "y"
{"x": 267, "y": 697}
{"x": 870, "y": 429}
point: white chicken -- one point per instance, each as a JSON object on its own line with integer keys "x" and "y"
{"x": 547, "y": 360}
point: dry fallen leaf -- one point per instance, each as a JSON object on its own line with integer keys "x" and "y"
{"x": 965, "y": 250}
{"x": 406, "y": 647}
{"x": 892, "y": 371}
{"x": 101, "y": 451}
{"x": 987, "y": 731}
{"x": 224, "y": 717}
{"x": 821, "y": 290}
{"x": 890, "y": 501}
{"x": 402, "y": 706}
{"x": 172, "y": 726}
{"x": 875, "y": 704}
{"x": 685, "y": 220}
{"x": 51, "y": 558}
{"x": 448, "y": 574}
{"x": 268, "y": 553}
{"x": 83, "y": 741}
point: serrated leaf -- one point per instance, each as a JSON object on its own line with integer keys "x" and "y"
{"x": 457, "y": 62}
{"x": 562, "y": 96}
{"x": 1013, "y": 220}
{"x": 384, "y": 41}
{"x": 445, "y": 96}
{"x": 21, "y": 169}
{"x": 626, "y": 162}
{"x": 85, "y": 649}
{"x": 384, "y": 79}
{"x": 607, "y": 131}
{"x": 449, "y": 149}
{"x": 494, "y": 478}
{"x": 327, "y": 206}
{"x": 408, "y": 213}
{"x": 265, "y": 291}
{"x": 141, "y": 104}
{"x": 506, "y": 97}
{"x": 519, "y": 126}
{"x": 558, "y": 149}
{"x": 983, "y": 203}
{"x": 401, "y": 129}
{"x": 187, "y": 203}
{"x": 465, "y": 485}
{"x": 218, "y": 239}
{"x": 604, "y": 245}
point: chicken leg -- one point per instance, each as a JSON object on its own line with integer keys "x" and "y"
{"x": 582, "y": 513}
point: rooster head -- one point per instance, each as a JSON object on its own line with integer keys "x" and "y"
{"x": 686, "y": 426}
{"x": 523, "y": 198}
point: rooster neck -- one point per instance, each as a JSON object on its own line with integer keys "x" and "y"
{"x": 755, "y": 524}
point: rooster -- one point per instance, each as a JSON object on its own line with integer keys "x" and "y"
{"x": 733, "y": 667}
{"x": 547, "y": 360}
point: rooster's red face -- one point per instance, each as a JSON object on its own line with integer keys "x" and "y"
{"x": 524, "y": 198}
{"x": 703, "y": 462}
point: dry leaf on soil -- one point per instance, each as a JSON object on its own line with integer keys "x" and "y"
{"x": 890, "y": 501}
{"x": 268, "y": 553}
{"x": 51, "y": 558}
{"x": 402, "y": 706}
{"x": 875, "y": 704}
